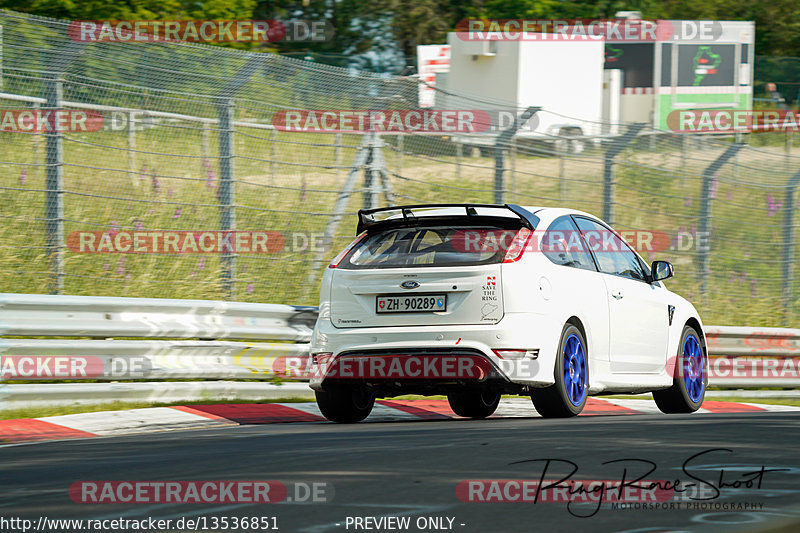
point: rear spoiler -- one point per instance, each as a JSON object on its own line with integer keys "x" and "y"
{"x": 366, "y": 218}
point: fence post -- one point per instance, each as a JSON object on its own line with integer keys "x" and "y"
{"x": 337, "y": 154}
{"x": 227, "y": 215}
{"x": 609, "y": 174}
{"x": 704, "y": 229}
{"x": 132, "y": 150}
{"x": 54, "y": 199}
{"x": 273, "y": 153}
{"x": 684, "y": 157}
{"x": 788, "y": 248}
{"x": 370, "y": 188}
{"x": 54, "y": 164}
{"x": 205, "y": 139}
{"x": 400, "y": 150}
{"x": 37, "y": 140}
{"x": 562, "y": 170}
{"x": 513, "y": 154}
{"x": 459, "y": 155}
{"x": 501, "y": 145}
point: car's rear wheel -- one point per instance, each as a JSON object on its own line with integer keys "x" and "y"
{"x": 474, "y": 404}
{"x": 345, "y": 405}
{"x": 689, "y": 383}
{"x": 567, "y": 396}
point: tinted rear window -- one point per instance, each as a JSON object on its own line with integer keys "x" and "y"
{"x": 431, "y": 246}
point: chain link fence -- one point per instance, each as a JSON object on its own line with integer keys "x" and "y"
{"x": 187, "y": 145}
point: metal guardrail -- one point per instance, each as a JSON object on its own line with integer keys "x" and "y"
{"x": 745, "y": 357}
{"x": 102, "y": 316}
{"x": 209, "y": 355}
{"x": 200, "y": 339}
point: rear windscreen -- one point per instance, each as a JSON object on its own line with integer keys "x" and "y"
{"x": 431, "y": 246}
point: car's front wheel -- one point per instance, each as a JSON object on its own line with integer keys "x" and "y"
{"x": 567, "y": 396}
{"x": 689, "y": 382}
{"x": 474, "y": 404}
{"x": 345, "y": 405}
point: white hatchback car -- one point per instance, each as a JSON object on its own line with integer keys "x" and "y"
{"x": 474, "y": 301}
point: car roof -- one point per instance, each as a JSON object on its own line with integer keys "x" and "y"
{"x": 555, "y": 212}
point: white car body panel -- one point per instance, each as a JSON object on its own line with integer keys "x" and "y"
{"x": 630, "y": 342}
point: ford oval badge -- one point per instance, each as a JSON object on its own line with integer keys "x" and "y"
{"x": 409, "y": 284}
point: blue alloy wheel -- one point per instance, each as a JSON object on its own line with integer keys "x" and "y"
{"x": 574, "y": 358}
{"x": 689, "y": 375}
{"x": 693, "y": 368}
{"x": 568, "y": 394}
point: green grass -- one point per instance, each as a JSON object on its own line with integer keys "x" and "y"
{"x": 289, "y": 183}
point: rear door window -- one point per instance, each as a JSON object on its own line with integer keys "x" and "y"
{"x": 612, "y": 254}
{"x": 563, "y": 245}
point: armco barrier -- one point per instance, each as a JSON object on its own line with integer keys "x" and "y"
{"x": 199, "y": 339}
{"x": 100, "y": 317}
{"x": 209, "y": 355}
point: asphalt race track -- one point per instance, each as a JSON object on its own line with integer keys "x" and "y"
{"x": 411, "y": 469}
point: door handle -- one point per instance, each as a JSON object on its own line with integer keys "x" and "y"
{"x": 617, "y": 294}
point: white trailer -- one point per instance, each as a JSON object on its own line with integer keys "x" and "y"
{"x": 505, "y": 77}
{"x": 589, "y": 87}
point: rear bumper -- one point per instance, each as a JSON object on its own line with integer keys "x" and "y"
{"x": 517, "y": 331}
{"x": 390, "y": 372}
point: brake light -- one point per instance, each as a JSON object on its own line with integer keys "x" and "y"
{"x": 518, "y": 245}
{"x": 516, "y": 354}
{"x": 321, "y": 358}
{"x": 343, "y": 253}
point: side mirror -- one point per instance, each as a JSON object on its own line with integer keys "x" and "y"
{"x": 661, "y": 270}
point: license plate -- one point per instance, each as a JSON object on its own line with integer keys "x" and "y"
{"x": 427, "y": 303}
